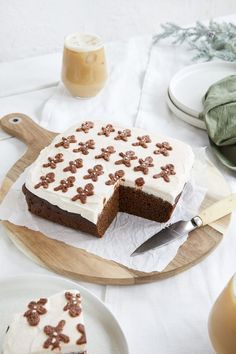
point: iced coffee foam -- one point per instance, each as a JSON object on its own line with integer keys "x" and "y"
{"x": 81, "y": 42}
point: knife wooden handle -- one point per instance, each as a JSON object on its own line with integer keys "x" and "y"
{"x": 218, "y": 210}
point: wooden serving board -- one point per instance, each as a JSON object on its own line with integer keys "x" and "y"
{"x": 79, "y": 264}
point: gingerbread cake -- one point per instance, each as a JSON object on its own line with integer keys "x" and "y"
{"x": 48, "y": 325}
{"x": 94, "y": 170}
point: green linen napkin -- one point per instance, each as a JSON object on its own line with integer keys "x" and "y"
{"x": 219, "y": 114}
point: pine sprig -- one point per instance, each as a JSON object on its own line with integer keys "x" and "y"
{"x": 215, "y": 40}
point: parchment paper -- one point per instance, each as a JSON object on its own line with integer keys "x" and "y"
{"x": 125, "y": 233}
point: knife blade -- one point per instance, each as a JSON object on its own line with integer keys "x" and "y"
{"x": 168, "y": 235}
{"x": 212, "y": 213}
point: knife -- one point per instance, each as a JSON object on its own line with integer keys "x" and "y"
{"x": 182, "y": 228}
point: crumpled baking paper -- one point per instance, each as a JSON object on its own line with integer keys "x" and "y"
{"x": 125, "y": 233}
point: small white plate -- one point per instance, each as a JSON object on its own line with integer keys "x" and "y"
{"x": 189, "y": 85}
{"x": 103, "y": 331}
{"x": 184, "y": 116}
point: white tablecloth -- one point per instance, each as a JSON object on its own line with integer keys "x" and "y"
{"x": 169, "y": 316}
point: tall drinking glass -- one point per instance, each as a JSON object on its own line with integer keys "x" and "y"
{"x": 222, "y": 320}
{"x": 84, "y": 70}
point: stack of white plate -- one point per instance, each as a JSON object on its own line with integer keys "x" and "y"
{"x": 189, "y": 85}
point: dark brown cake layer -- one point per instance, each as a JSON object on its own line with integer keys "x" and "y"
{"x": 125, "y": 199}
{"x": 136, "y": 202}
{"x": 46, "y": 210}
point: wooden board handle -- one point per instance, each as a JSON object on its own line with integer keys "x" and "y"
{"x": 219, "y": 209}
{"x": 24, "y": 128}
{"x": 36, "y": 138}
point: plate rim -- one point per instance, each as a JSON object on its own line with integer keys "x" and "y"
{"x": 52, "y": 277}
{"x": 192, "y": 68}
{"x": 179, "y": 113}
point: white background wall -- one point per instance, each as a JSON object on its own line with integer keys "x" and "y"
{"x": 34, "y": 27}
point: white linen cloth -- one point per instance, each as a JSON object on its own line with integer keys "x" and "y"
{"x": 168, "y": 316}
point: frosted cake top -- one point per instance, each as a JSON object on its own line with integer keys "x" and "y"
{"x": 80, "y": 169}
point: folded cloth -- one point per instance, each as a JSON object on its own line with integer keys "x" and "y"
{"x": 219, "y": 114}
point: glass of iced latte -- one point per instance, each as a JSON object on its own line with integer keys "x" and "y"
{"x": 84, "y": 70}
{"x": 222, "y": 320}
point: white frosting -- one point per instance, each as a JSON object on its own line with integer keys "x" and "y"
{"x": 22, "y": 338}
{"x": 81, "y": 42}
{"x": 181, "y": 156}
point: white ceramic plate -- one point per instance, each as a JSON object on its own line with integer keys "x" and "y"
{"x": 103, "y": 331}
{"x": 189, "y": 85}
{"x": 184, "y": 116}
